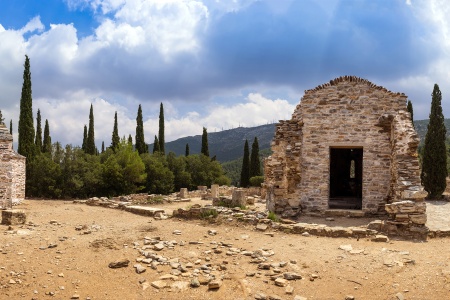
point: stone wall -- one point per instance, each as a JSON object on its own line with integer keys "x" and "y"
{"x": 347, "y": 112}
{"x": 12, "y": 172}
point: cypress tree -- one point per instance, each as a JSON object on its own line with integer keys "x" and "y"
{"x": 434, "y": 162}
{"x": 141, "y": 146}
{"x": 410, "y": 110}
{"x": 255, "y": 165}
{"x": 26, "y": 146}
{"x": 90, "y": 141}
{"x": 2, "y": 120}
{"x": 47, "y": 146}
{"x": 245, "y": 171}
{"x": 103, "y": 146}
{"x": 83, "y": 146}
{"x": 115, "y": 140}
{"x": 38, "y": 140}
{"x": 130, "y": 140}
{"x": 161, "y": 130}
{"x": 156, "y": 145}
{"x": 186, "y": 152}
{"x": 10, "y": 128}
{"x": 205, "y": 150}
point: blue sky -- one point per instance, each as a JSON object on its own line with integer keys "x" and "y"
{"x": 215, "y": 64}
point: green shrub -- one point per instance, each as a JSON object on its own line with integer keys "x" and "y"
{"x": 256, "y": 181}
{"x": 272, "y": 216}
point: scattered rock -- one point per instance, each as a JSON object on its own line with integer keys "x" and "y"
{"x": 119, "y": 264}
{"x": 261, "y": 227}
{"x": 159, "y": 284}
{"x": 139, "y": 268}
{"x": 195, "y": 283}
{"x": 281, "y": 282}
{"x": 380, "y": 238}
{"x": 346, "y": 247}
{"x": 214, "y": 284}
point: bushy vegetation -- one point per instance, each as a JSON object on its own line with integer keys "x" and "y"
{"x": 71, "y": 173}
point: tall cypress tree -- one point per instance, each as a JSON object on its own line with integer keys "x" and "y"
{"x": 245, "y": 171}
{"x": 2, "y": 120}
{"x": 26, "y": 145}
{"x": 161, "y": 130}
{"x": 205, "y": 147}
{"x": 47, "y": 146}
{"x": 434, "y": 162}
{"x": 38, "y": 140}
{"x": 255, "y": 165}
{"x": 130, "y": 140}
{"x": 141, "y": 146}
{"x": 410, "y": 110}
{"x": 90, "y": 141}
{"x": 103, "y": 146}
{"x": 84, "y": 144}
{"x": 156, "y": 145}
{"x": 186, "y": 151}
{"x": 10, "y": 128}
{"x": 115, "y": 140}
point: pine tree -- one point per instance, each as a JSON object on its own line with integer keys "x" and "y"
{"x": 26, "y": 145}
{"x": 84, "y": 145}
{"x": 47, "y": 146}
{"x": 255, "y": 165}
{"x": 434, "y": 162}
{"x": 245, "y": 171}
{"x": 410, "y": 110}
{"x": 103, "y": 146}
{"x": 115, "y": 140}
{"x": 38, "y": 140}
{"x": 90, "y": 141}
{"x": 156, "y": 145}
{"x": 205, "y": 150}
{"x": 141, "y": 146}
{"x": 161, "y": 130}
{"x": 186, "y": 152}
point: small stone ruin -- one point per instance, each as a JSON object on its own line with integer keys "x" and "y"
{"x": 350, "y": 145}
{"x": 12, "y": 172}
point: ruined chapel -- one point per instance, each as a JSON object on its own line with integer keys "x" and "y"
{"x": 350, "y": 145}
{"x": 12, "y": 171}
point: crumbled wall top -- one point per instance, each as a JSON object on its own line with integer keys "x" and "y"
{"x": 4, "y": 133}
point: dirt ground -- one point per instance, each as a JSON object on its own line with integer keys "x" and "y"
{"x": 51, "y": 259}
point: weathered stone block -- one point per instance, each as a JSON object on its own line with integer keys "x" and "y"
{"x": 13, "y": 217}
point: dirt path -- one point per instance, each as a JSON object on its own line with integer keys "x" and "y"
{"x": 54, "y": 260}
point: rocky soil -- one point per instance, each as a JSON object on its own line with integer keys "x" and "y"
{"x": 76, "y": 251}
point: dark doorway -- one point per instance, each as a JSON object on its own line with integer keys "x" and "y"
{"x": 346, "y": 178}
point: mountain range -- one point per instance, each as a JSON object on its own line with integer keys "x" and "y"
{"x": 228, "y": 145}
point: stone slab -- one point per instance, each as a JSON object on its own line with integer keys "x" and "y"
{"x": 144, "y": 210}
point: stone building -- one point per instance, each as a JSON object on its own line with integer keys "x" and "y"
{"x": 12, "y": 171}
{"x": 351, "y": 145}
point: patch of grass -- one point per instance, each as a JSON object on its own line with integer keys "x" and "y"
{"x": 210, "y": 213}
{"x": 272, "y": 216}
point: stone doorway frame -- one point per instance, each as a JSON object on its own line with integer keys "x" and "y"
{"x": 343, "y": 199}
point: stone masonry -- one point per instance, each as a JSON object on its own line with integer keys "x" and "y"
{"x": 12, "y": 171}
{"x": 348, "y": 113}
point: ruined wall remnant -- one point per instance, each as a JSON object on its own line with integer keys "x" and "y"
{"x": 12, "y": 171}
{"x": 348, "y": 120}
